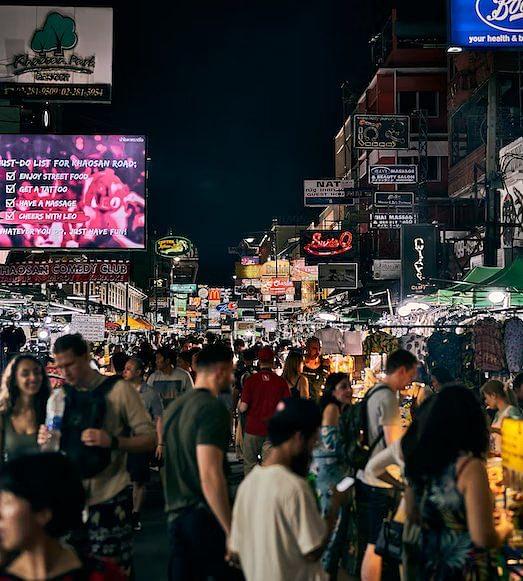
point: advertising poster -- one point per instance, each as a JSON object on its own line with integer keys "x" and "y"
{"x": 486, "y": 24}
{"x": 91, "y": 327}
{"x": 72, "y": 192}
{"x": 418, "y": 258}
{"x": 52, "y": 53}
{"x": 342, "y": 276}
{"x": 319, "y": 246}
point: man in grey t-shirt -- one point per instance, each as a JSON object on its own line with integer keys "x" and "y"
{"x": 373, "y": 496}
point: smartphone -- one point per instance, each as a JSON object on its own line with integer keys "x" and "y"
{"x": 345, "y": 484}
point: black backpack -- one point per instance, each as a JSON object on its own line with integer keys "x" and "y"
{"x": 357, "y": 449}
{"x": 85, "y": 410}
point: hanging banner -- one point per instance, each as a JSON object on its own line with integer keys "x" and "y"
{"x": 389, "y": 221}
{"x": 327, "y": 192}
{"x": 486, "y": 23}
{"x": 393, "y": 174}
{"x": 393, "y": 199}
{"x": 280, "y": 268}
{"x": 64, "y": 271}
{"x": 339, "y": 276}
{"x": 327, "y": 246}
{"x": 381, "y": 131}
{"x": 418, "y": 258}
{"x": 56, "y": 53}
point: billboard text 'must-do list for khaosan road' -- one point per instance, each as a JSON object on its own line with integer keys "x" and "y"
{"x": 72, "y": 191}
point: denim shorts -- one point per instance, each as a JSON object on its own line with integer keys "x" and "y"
{"x": 373, "y": 504}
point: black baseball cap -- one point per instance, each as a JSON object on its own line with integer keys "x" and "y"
{"x": 293, "y": 415}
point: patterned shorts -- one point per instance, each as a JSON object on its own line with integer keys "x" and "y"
{"x": 109, "y": 530}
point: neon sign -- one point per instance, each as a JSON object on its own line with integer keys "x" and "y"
{"x": 419, "y": 265}
{"x": 322, "y": 244}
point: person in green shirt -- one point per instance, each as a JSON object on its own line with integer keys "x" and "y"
{"x": 196, "y": 438}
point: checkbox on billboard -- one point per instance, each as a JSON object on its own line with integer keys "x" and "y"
{"x": 10, "y": 189}
{"x": 10, "y": 176}
{"x": 10, "y": 203}
{"x": 9, "y": 215}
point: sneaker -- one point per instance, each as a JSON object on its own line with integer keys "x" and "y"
{"x": 137, "y": 523}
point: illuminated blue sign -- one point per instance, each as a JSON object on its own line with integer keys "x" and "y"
{"x": 486, "y": 23}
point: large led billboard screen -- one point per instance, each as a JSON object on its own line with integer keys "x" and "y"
{"x": 72, "y": 192}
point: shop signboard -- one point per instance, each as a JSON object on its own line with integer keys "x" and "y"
{"x": 280, "y": 268}
{"x": 227, "y": 308}
{"x": 247, "y": 270}
{"x": 393, "y": 174}
{"x": 174, "y": 247}
{"x": 160, "y": 302}
{"x": 277, "y": 287}
{"x": 215, "y": 295}
{"x": 91, "y": 327}
{"x": 186, "y": 288}
{"x": 393, "y": 199}
{"x": 326, "y": 192}
{"x": 392, "y": 221}
{"x": 338, "y": 276}
{"x": 249, "y": 260}
{"x": 512, "y": 444}
{"x": 58, "y": 54}
{"x": 64, "y": 271}
{"x": 301, "y": 272}
{"x": 63, "y": 192}
{"x": 382, "y": 131}
{"x": 486, "y": 24}
{"x": 178, "y": 306}
{"x": 418, "y": 258}
{"x": 327, "y": 246}
{"x": 386, "y": 269}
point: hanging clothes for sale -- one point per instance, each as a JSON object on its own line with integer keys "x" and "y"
{"x": 445, "y": 350}
{"x": 489, "y": 353}
{"x": 380, "y": 342}
{"x": 513, "y": 340}
{"x": 353, "y": 343}
{"x": 331, "y": 340}
{"x": 416, "y": 344}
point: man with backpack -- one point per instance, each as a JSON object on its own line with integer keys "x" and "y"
{"x": 99, "y": 414}
{"x": 379, "y": 427}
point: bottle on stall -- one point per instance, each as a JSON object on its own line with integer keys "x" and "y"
{"x": 53, "y": 420}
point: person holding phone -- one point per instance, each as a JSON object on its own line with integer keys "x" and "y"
{"x": 328, "y": 467}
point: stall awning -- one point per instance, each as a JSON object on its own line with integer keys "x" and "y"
{"x": 137, "y": 324}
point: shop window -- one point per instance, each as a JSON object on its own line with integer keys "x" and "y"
{"x": 409, "y": 101}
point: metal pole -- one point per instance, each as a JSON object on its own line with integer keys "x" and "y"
{"x": 275, "y": 248}
{"x": 126, "y": 306}
{"x": 87, "y": 284}
{"x": 490, "y": 251}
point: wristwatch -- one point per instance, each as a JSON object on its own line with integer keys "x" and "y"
{"x": 115, "y": 443}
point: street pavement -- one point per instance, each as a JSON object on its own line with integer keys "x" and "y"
{"x": 151, "y": 547}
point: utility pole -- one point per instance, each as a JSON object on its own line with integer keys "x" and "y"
{"x": 492, "y": 232}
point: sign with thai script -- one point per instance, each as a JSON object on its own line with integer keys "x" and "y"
{"x": 486, "y": 23}
{"x": 392, "y": 221}
{"x": 393, "y": 174}
{"x": 327, "y": 246}
{"x": 64, "y": 271}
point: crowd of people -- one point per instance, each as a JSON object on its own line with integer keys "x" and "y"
{"x": 334, "y": 487}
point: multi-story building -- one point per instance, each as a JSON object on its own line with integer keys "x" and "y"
{"x": 112, "y": 295}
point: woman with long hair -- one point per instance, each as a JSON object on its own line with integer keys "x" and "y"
{"x": 293, "y": 375}
{"x": 328, "y": 466}
{"x": 449, "y": 495}
{"x": 41, "y": 501}
{"x": 502, "y": 401}
{"x": 23, "y": 400}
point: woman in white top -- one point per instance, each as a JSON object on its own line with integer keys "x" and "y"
{"x": 500, "y": 399}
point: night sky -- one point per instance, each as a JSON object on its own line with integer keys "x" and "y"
{"x": 240, "y": 102}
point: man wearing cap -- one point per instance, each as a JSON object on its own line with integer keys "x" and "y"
{"x": 261, "y": 394}
{"x": 277, "y": 531}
